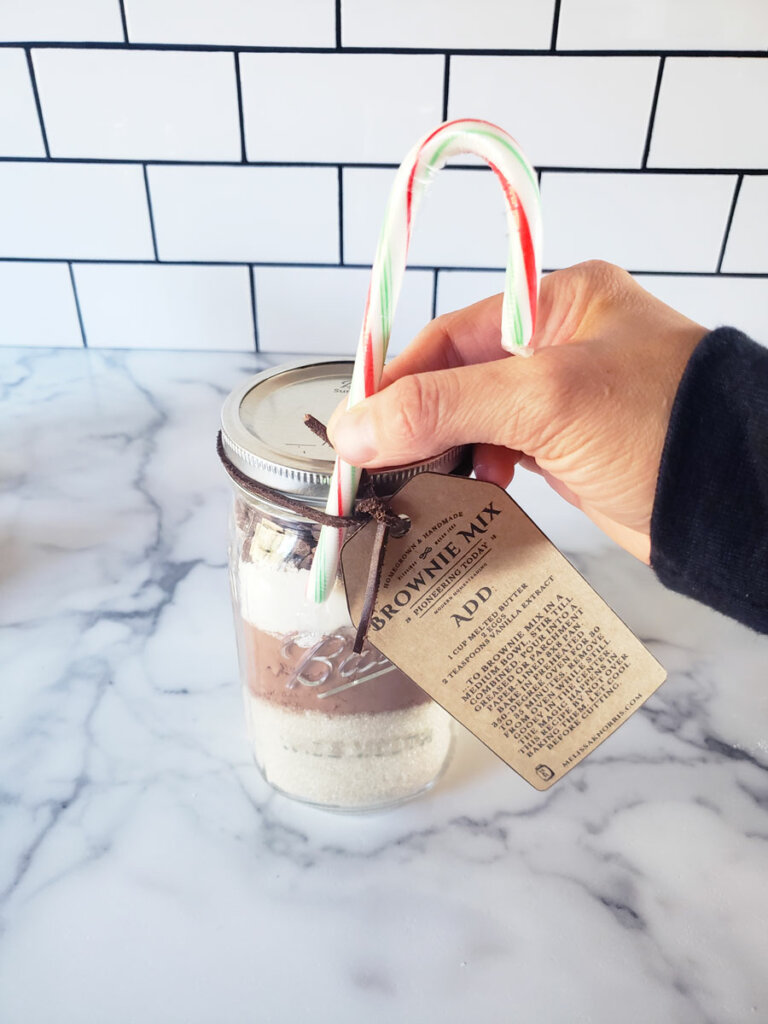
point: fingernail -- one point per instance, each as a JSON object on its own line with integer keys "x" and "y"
{"x": 494, "y": 474}
{"x": 352, "y": 436}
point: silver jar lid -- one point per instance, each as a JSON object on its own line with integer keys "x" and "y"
{"x": 265, "y": 436}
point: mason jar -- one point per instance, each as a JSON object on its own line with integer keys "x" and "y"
{"x": 327, "y": 726}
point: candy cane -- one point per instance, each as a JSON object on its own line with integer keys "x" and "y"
{"x": 521, "y": 285}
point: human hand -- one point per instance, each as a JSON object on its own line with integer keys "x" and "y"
{"x": 589, "y": 410}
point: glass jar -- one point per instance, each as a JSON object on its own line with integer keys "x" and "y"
{"x": 326, "y": 726}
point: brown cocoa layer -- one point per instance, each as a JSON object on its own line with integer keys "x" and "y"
{"x": 327, "y": 676}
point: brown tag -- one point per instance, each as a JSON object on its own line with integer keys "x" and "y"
{"x": 486, "y": 615}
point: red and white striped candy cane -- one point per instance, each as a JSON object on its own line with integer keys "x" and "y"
{"x": 521, "y": 285}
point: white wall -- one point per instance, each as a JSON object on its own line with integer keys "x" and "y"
{"x": 212, "y": 173}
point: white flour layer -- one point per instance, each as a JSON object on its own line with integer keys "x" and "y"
{"x": 275, "y": 601}
{"x": 349, "y": 761}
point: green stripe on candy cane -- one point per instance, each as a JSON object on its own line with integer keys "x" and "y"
{"x": 525, "y": 166}
{"x": 386, "y": 307}
{"x": 521, "y": 192}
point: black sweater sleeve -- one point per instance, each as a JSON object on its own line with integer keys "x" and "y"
{"x": 709, "y": 530}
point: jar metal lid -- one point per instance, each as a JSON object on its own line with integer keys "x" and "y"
{"x": 265, "y": 436}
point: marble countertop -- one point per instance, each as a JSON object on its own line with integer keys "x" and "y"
{"x": 147, "y": 873}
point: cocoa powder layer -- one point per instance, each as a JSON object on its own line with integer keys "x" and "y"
{"x": 318, "y": 678}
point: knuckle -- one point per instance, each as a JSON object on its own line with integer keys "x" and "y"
{"x": 444, "y": 321}
{"x": 416, "y": 410}
{"x": 445, "y": 326}
{"x": 606, "y": 277}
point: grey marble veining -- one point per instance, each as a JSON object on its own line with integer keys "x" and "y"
{"x": 147, "y": 873}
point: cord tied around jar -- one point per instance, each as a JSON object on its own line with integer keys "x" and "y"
{"x": 368, "y": 506}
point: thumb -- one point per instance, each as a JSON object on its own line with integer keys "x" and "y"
{"x": 503, "y": 402}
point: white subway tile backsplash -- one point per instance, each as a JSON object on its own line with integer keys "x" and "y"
{"x": 232, "y": 22}
{"x": 139, "y": 104}
{"x": 73, "y": 211}
{"x": 233, "y": 107}
{"x": 642, "y": 222}
{"x": 242, "y": 214}
{"x": 20, "y": 133}
{"x": 461, "y": 221}
{"x": 37, "y": 305}
{"x": 137, "y": 306}
{"x": 459, "y": 288}
{"x": 716, "y": 301}
{"x": 702, "y": 117}
{"x": 364, "y": 108}
{"x": 321, "y": 310}
{"x": 747, "y": 248}
{"x": 662, "y": 25}
{"x": 56, "y": 21}
{"x": 542, "y": 100}
{"x": 450, "y": 24}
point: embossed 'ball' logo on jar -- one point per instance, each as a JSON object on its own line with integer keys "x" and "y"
{"x": 332, "y": 661}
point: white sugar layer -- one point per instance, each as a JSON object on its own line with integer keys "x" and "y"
{"x": 275, "y": 600}
{"x": 349, "y": 761}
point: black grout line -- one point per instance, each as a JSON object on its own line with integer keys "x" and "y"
{"x": 341, "y": 216}
{"x": 446, "y": 84}
{"x": 728, "y": 223}
{"x": 36, "y": 94}
{"x": 367, "y": 165}
{"x": 151, "y": 213}
{"x": 651, "y": 171}
{"x": 201, "y": 163}
{"x": 434, "y": 295}
{"x": 123, "y": 19}
{"x": 77, "y": 305}
{"x": 108, "y": 262}
{"x": 191, "y": 163}
{"x": 462, "y": 51}
{"x": 338, "y": 24}
{"x": 555, "y": 26}
{"x": 252, "y": 276}
{"x": 763, "y": 276}
{"x": 691, "y": 273}
{"x": 652, "y": 117}
{"x": 422, "y": 267}
{"x": 243, "y": 158}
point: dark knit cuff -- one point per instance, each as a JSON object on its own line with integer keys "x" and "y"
{"x": 709, "y": 530}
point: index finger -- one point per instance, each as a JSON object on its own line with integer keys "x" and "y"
{"x": 470, "y": 335}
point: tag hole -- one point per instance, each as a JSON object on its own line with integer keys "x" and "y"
{"x": 405, "y": 524}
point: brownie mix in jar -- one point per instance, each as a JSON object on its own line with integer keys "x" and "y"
{"x": 327, "y": 726}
